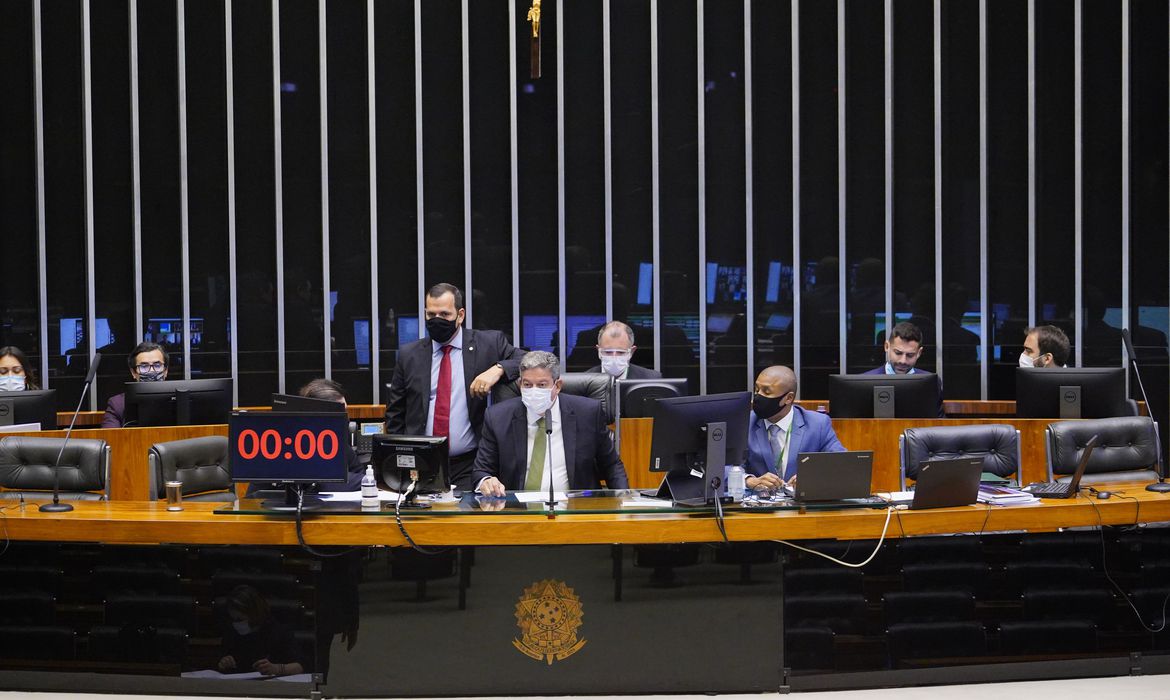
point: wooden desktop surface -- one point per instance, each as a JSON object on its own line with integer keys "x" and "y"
{"x": 149, "y": 522}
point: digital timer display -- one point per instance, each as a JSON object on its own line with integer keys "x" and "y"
{"x": 274, "y": 446}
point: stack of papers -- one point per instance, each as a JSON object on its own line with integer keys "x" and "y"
{"x": 1004, "y": 496}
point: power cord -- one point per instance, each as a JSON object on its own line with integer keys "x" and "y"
{"x": 1109, "y": 577}
{"x": 876, "y": 549}
{"x": 402, "y": 528}
{"x": 301, "y": 535}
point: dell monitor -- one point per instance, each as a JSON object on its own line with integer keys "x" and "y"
{"x": 403, "y": 459}
{"x": 22, "y": 407}
{"x": 884, "y": 395}
{"x": 636, "y": 397}
{"x": 1065, "y": 392}
{"x": 294, "y": 450}
{"x": 186, "y": 402}
{"x": 698, "y": 435}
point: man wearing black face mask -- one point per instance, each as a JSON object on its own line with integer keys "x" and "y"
{"x": 780, "y": 430}
{"x": 148, "y": 363}
{"x": 441, "y": 382}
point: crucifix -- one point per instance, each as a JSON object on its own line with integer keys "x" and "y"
{"x": 534, "y": 18}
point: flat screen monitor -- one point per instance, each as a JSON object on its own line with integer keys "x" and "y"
{"x": 294, "y": 450}
{"x": 1066, "y": 392}
{"x": 645, "y": 283}
{"x": 636, "y": 397}
{"x": 20, "y": 407}
{"x": 185, "y": 402}
{"x": 698, "y": 435}
{"x": 291, "y": 403}
{"x": 361, "y": 341}
{"x": 884, "y": 395}
{"x": 772, "y": 289}
{"x": 719, "y": 323}
{"x": 400, "y": 459}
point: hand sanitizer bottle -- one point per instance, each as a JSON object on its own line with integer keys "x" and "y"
{"x": 369, "y": 489}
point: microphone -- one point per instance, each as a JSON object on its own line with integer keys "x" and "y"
{"x": 552, "y": 499}
{"x": 57, "y": 506}
{"x": 1161, "y": 486}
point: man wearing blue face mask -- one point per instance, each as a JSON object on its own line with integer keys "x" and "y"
{"x": 441, "y": 382}
{"x": 545, "y": 436}
{"x": 148, "y": 363}
{"x": 615, "y": 347}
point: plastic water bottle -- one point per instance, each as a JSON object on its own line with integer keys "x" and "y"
{"x": 736, "y": 483}
{"x": 369, "y": 489}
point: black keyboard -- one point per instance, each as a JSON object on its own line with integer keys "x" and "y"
{"x": 1049, "y": 489}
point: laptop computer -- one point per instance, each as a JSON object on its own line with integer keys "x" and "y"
{"x": 1055, "y": 489}
{"x": 945, "y": 483}
{"x": 833, "y": 476}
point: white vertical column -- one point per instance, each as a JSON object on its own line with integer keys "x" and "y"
{"x": 842, "y": 278}
{"x": 1125, "y": 183}
{"x": 136, "y": 171}
{"x": 323, "y": 89}
{"x": 372, "y": 133}
{"x": 748, "y": 205}
{"x": 797, "y": 277}
{"x": 561, "y": 270}
{"x": 607, "y": 117}
{"x": 230, "y": 124}
{"x": 1031, "y": 163}
{"x": 514, "y": 172}
{"x": 87, "y": 145}
{"x": 465, "y": 32}
{"x": 184, "y": 219}
{"x": 655, "y": 188}
{"x": 985, "y": 345}
{"x": 278, "y": 188}
{"x": 888, "y": 80}
{"x": 938, "y": 195}
{"x": 39, "y": 130}
{"x": 701, "y": 191}
{"x": 420, "y": 211}
{"x": 1078, "y": 176}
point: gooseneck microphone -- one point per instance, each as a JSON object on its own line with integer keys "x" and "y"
{"x": 552, "y": 498}
{"x": 1160, "y": 486}
{"x": 57, "y": 506}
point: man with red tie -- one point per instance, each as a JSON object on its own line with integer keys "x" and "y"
{"x": 441, "y": 382}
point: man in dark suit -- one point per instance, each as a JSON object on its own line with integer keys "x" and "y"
{"x": 148, "y": 362}
{"x": 441, "y": 382}
{"x": 615, "y": 347}
{"x": 545, "y": 435}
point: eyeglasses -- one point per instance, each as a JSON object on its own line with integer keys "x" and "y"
{"x": 17, "y": 371}
{"x": 149, "y": 366}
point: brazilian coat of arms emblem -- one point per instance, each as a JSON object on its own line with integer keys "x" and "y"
{"x": 548, "y": 615}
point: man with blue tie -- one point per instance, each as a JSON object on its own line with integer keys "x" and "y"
{"x": 780, "y": 430}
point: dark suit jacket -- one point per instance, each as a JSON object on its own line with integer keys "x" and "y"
{"x": 636, "y": 372}
{"x": 114, "y": 417}
{"x": 410, "y": 386}
{"x": 589, "y": 453}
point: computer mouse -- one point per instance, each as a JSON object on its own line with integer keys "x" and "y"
{"x": 1104, "y": 494}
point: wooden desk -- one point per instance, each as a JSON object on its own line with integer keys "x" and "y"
{"x": 960, "y": 408}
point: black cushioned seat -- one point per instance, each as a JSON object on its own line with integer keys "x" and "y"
{"x": 27, "y": 464}
{"x": 998, "y": 445}
{"x": 201, "y": 463}
{"x": 1127, "y": 449}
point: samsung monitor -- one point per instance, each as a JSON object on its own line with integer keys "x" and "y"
{"x": 291, "y": 403}
{"x": 185, "y": 402}
{"x": 23, "y": 407}
{"x": 696, "y": 435}
{"x": 403, "y": 459}
{"x": 884, "y": 395}
{"x": 293, "y": 450}
{"x": 1085, "y": 392}
{"x": 636, "y": 397}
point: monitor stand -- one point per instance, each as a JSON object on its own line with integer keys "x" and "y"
{"x": 289, "y": 504}
{"x": 686, "y": 488}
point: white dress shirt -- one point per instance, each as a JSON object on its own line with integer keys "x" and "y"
{"x": 460, "y": 436}
{"x": 556, "y": 447}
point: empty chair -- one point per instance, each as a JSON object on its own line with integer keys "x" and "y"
{"x": 809, "y": 648}
{"x": 822, "y": 581}
{"x": 200, "y": 463}
{"x": 1155, "y": 573}
{"x": 27, "y": 608}
{"x": 1127, "y": 449}
{"x": 137, "y": 643}
{"x": 843, "y": 613}
{"x": 38, "y": 642}
{"x": 928, "y": 606}
{"x": 935, "y": 640}
{"x": 1095, "y": 604}
{"x": 153, "y": 610}
{"x": 30, "y": 577}
{"x": 962, "y": 576}
{"x": 27, "y": 464}
{"x": 170, "y": 556}
{"x": 935, "y": 549}
{"x": 268, "y": 585}
{"x": 259, "y": 560}
{"x": 1047, "y": 637}
{"x": 845, "y": 550}
{"x": 1062, "y": 546}
{"x": 115, "y": 578}
{"x": 1152, "y": 604}
{"x": 997, "y": 444}
{"x": 1048, "y": 574}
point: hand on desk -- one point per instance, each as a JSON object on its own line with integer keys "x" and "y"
{"x": 769, "y": 483}
{"x": 491, "y": 486}
{"x": 226, "y": 664}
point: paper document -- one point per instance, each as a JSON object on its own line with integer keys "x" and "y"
{"x": 356, "y": 496}
{"x": 249, "y": 676}
{"x": 539, "y": 496}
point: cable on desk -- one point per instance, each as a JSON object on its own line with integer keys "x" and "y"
{"x": 402, "y": 528}
{"x": 876, "y": 549}
{"x": 301, "y": 535}
{"x": 1109, "y": 577}
{"x": 719, "y": 518}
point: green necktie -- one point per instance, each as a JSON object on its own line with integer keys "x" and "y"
{"x": 536, "y": 464}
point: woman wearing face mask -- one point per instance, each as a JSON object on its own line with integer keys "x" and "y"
{"x": 148, "y": 363}
{"x": 16, "y": 374}
{"x": 253, "y": 641}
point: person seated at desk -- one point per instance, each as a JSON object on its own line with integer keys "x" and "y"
{"x": 16, "y": 374}
{"x": 1044, "y": 347}
{"x": 254, "y": 641}
{"x": 148, "y": 362}
{"x": 514, "y": 447}
{"x": 329, "y": 390}
{"x": 780, "y": 430}
{"x": 903, "y": 350}
{"x": 615, "y": 347}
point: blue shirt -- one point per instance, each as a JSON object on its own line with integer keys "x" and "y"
{"x": 890, "y": 369}
{"x": 461, "y": 438}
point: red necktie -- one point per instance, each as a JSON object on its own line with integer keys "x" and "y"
{"x": 442, "y": 422}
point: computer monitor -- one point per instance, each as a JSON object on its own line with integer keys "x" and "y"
{"x": 21, "y": 407}
{"x": 645, "y": 283}
{"x": 884, "y": 395}
{"x": 636, "y": 397}
{"x": 361, "y": 341}
{"x": 291, "y": 403}
{"x": 290, "y": 449}
{"x": 401, "y": 459}
{"x": 1066, "y": 392}
{"x": 698, "y": 435}
{"x": 185, "y": 402}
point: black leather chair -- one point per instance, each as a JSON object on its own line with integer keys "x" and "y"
{"x": 595, "y": 385}
{"x": 200, "y": 463}
{"x": 998, "y": 444}
{"x": 1128, "y": 449}
{"x": 1047, "y": 637}
{"x": 27, "y": 464}
{"x": 928, "y": 606}
{"x": 935, "y": 640}
{"x": 38, "y": 642}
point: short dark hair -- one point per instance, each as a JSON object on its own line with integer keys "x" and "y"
{"x": 146, "y": 346}
{"x": 322, "y": 388}
{"x": 30, "y": 377}
{"x": 906, "y": 331}
{"x": 1050, "y": 339}
{"x": 446, "y": 288}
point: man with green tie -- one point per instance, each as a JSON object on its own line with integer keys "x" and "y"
{"x": 545, "y": 435}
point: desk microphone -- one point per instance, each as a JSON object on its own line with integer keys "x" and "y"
{"x": 552, "y": 499}
{"x": 1161, "y": 486}
{"x": 57, "y": 506}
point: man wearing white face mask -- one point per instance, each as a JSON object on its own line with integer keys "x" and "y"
{"x": 545, "y": 436}
{"x": 1044, "y": 347}
{"x": 615, "y": 347}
